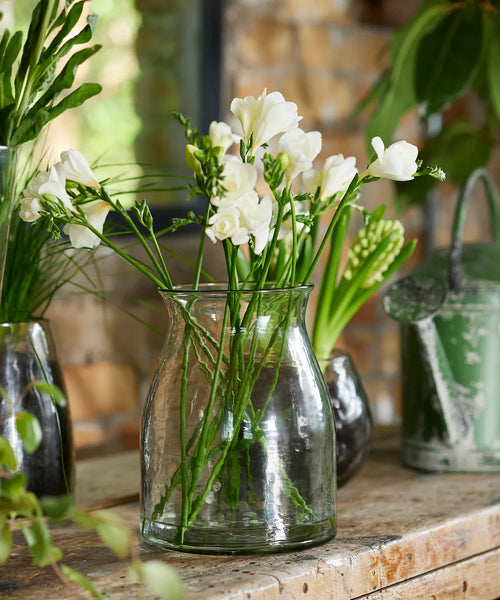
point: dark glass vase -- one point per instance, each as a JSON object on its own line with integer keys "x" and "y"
{"x": 351, "y": 411}
{"x": 238, "y": 440}
{"x": 27, "y": 355}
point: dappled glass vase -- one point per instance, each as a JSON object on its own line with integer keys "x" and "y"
{"x": 238, "y": 439}
{"x": 27, "y": 357}
{"x": 351, "y": 411}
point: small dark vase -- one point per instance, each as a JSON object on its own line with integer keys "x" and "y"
{"x": 27, "y": 354}
{"x": 351, "y": 410}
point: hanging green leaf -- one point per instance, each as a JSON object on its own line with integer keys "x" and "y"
{"x": 494, "y": 63}
{"x": 5, "y": 540}
{"x": 84, "y": 582}
{"x": 58, "y": 508}
{"x": 400, "y": 93}
{"x": 448, "y": 59}
{"x": 37, "y": 536}
{"x": 459, "y": 149}
{"x": 56, "y": 394}
{"x": 7, "y": 456}
{"x": 161, "y": 579}
{"x": 29, "y": 430}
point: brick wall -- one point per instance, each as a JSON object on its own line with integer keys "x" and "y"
{"x": 322, "y": 54}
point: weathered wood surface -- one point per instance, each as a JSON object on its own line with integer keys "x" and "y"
{"x": 402, "y": 535}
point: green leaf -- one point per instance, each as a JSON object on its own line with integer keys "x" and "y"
{"x": 400, "y": 93}
{"x": 76, "y": 98}
{"x": 459, "y": 149}
{"x": 161, "y": 579}
{"x": 29, "y": 430}
{"x": 84, "y": 582}
{"x": 37, "y": 537}
{"x": 56, "y": 394}
{"x": 13, "y": 487}
{"x": 113, "y": 532}
{"x": 448, "y": 59}
{"x": 110, "y": 528}
{"x": 494, "y": 63}
{"x": 7, "y": 456}
{"x": 66, "y": 78}
{"x": 70, "y": 20}
{"x": 58, "y": 508}
{"x": 5, "y": 541}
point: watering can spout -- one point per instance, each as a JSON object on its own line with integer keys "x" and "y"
{"x": 416, "y": 300}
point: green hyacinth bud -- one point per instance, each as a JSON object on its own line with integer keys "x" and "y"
{"x": 368, "y": 241}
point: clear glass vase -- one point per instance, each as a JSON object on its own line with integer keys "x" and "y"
{"x": 27, "y": 355}
{"x": 238, "y": 439}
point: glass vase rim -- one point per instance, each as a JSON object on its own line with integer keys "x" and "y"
{"x": 33, "y": 320}
{"x": 221, "y": 289}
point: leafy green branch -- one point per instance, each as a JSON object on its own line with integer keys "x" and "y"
{"x": 20, "y": 508}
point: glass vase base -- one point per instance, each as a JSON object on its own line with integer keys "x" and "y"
{"x": 262, "y": 540}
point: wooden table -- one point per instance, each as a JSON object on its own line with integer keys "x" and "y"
{"x": 402, "y": 535}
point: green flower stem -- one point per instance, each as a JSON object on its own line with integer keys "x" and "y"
{"x": 182, "y": 433}
{"x": 270, "y": 251}
{"x": 132, "y": 261}
{"x": 294, "y": 239}
{"x": 158, "y": 264}
{"x": 330, "y": 275}
{"x": 286, "y": 268}
{"x": 353, "y": 186}
{"x": 201, "y": 249}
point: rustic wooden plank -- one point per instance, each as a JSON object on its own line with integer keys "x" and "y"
{"x": 477, "y": 578}
{"x": 395, "y": 525}
{"x": 108, "y": 480}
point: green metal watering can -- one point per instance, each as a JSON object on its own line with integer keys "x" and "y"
{"x": 449, "y": 311}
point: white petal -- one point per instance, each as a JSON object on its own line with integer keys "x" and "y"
{"x": 378, "y": 146}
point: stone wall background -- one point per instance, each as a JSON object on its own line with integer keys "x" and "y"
{"x": 322, "y": 54}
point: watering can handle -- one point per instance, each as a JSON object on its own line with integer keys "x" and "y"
{"x": 459, "y": 222}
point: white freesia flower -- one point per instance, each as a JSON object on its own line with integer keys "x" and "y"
{"x": 301, "y": 149}
{"x": 256, "y": 217}
{"x": 220, "y": 134}
{"x": 336, "y": 175}
{"x": 239, "y": 178}
{"x": 397, "y": 162}
{"x": 226, "y": 223}
{"x": 265, "y": 116}
{"x": 81, "y": 237}
{"x": 52, "y": 184}
{"x": 77, "y": 169}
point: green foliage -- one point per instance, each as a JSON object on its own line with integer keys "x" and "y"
{"x": 29, "y": 430}
{"x": 37, "y": 514}
{"x": 35, "y": 72}
{"x": 161, "y": 579}
{"x": 447, "y": 50}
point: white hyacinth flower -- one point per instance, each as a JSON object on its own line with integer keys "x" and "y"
{"x": 81, "y": 237}
{"x": 77, "y": 169}
{"x": 265, "y": 116}
{"x": 397, "y": 162}
{"x": 301, "y": 149}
